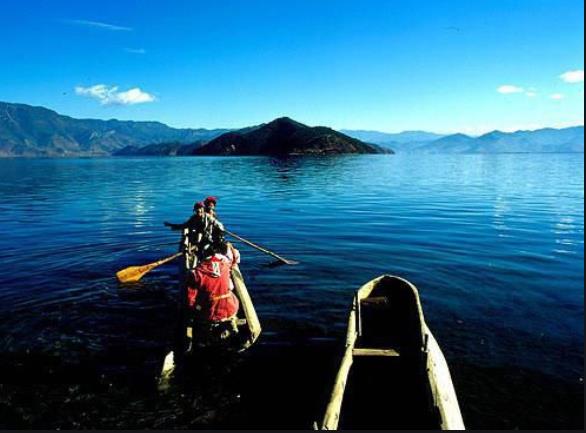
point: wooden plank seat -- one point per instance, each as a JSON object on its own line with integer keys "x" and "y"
{"x": 375, "y": 352}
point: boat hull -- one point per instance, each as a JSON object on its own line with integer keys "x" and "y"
{"x": 393, "y": 374}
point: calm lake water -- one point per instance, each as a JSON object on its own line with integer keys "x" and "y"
{"x": 494, "y": 243}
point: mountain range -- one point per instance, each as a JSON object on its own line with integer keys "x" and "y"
{"x": 27, "y": 131}
{"x": 548, "y": 140}
{"x": 37, "y": 131}
{"x": 390, "y": 139}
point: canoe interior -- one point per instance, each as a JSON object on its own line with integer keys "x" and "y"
{"x": 389, "y": 317}
{"x": 388, "y": 392}
{"x": 382, "y": 394}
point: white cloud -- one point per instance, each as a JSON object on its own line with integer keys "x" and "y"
{"x": 100, "y": 25}
{"x": 509, "y": 89}
{"x": 134, "y": 96}
{"x": 573, "y": 77}
{"x": 109, "y": 95}
{"x": 558, "y": 96}
{"x": 531, "y": 93}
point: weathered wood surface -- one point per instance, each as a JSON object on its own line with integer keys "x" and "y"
{"x": 252, "y": 321}
{"x": 442, "y": 387}
{"x": 380, "y": 300}
{"x": 333, "y": 411}
{"x": 375, "y": 352}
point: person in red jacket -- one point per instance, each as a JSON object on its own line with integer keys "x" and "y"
{"x": 210, "y": 297}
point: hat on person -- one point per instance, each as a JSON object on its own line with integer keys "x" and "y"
{"x": 198, "y": 205}
{"x": 211, "y": 200}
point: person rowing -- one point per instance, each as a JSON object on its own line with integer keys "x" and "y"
{"x": 194, "y": 223}
{"x": 202, "y": 229}
{"x": 210, "y": 204}
{"x": 215, "y": 231}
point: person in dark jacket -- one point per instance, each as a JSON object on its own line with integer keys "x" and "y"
{"x": 216, "y": 230}
{"x": 210, "y": 204}
{"x": 196, "y": 223}
{"x": 204, "y": 230}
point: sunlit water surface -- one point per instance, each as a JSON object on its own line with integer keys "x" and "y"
{"x": 495, "y": 245}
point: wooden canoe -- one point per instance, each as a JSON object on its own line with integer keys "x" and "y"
{"x": 393, "y": 374}
{"x": 249, "y": 328}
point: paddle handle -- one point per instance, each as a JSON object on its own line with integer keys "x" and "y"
{"x": 258, "y": 247}
{"x": 167, "y": 260}
{"x": 150, "y": 267}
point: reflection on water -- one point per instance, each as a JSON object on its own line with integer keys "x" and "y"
{"x": 495, "y": 244}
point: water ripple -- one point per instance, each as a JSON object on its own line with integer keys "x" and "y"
{"x": 484, "y": 237}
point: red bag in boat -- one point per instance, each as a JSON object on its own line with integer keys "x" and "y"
{"x": 210, "y": 292}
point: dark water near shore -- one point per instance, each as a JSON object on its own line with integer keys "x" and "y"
{"x": 494, "y": 243}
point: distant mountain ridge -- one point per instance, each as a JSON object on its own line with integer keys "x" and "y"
{"x": 387, "y": 138}
{"x": 27, "y": 131}
{"x": 36, "y": 131}
{"x": 161, "y": 149}
{"x": 547, "y": 140}
{"x": 173, "y": 148}
{"x": 285, "y": 136}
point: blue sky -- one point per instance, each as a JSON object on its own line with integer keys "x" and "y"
{"x": 389, "y": 65}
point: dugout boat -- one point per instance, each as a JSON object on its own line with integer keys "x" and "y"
{"x": 393, "y": 374}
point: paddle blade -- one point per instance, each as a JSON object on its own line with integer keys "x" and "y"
{"x": 132, "y": 274}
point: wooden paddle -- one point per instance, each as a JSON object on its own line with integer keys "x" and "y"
{"x": 264, "y": 250}
{"x": 133, "y": 274}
